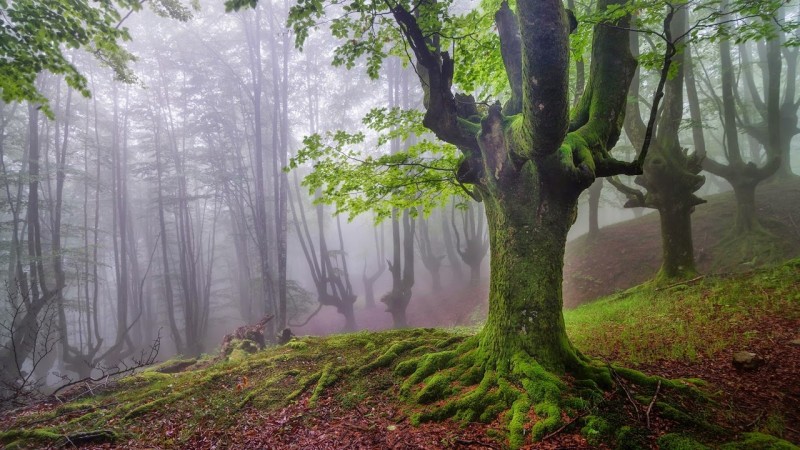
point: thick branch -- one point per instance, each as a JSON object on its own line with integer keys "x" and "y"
{"x": 600, "y": 112}
{"x": 545, "y": 67}
{"x": 511, "y": 51}
{"x": 435, "y": 70}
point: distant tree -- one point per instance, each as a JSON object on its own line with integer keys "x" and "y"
{"x": 369, "y": 279}
{"x": 430, "y": 257}
{"x": 747, "y": 239}
{"x": 771, "y": 113}
{"x": 476, "y": 241}
{"x": 671, "y": 174}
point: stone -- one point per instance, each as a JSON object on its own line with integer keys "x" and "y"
{"x": 747, "y": 361}
{"x": 795, "y": 342}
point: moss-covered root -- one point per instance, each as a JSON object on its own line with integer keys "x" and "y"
{"x": 462, "y": 385}
{"x": 14, "y": 439}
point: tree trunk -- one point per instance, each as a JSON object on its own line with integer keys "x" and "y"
{"x": 676, "y": 242}
{"x": 746, "y": 217}
{"x": 594, "y": 206}
{"x": 450, "y": 248}
{"x": 528, "y": 226}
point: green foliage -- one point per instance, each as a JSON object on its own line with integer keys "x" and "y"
{"x": 744, "y": 20}
{"x": 421, "y": 176}
{"x": 367, "y": 30}
{"x": 39, "y": 35}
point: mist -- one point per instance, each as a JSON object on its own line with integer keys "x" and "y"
{"x": 167, "y": 210}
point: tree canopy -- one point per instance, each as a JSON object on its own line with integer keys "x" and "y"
{"x": 38, "y": 36}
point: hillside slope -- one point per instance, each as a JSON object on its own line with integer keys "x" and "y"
{"x": 343, "y": 391}
{"x": 628, "y": 253}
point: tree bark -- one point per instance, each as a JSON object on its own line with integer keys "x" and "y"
{"x": 528, "y": 226}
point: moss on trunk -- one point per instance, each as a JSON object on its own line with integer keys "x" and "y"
{"x": 528, "y": 226}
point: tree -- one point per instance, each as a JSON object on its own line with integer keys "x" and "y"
{"x": 748, "y": 239}
{"x": 528, "y": 162}
{"x": 670, "y": 174}
{"x": 34, "y": 39}
{"x": 775, "y": 122}
{"x": 476, "y": 243}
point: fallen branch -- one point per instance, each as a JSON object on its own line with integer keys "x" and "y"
{"x": 652, "y": 402}
{"x": 88, "y": 437}
{"x": 627, "y": 393}
{"x": 681, "y": 282}
{"x": 579, "y": 416}
{"x": 471, "y": 442}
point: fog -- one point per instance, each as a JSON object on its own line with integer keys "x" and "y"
{"x": 159, "y": 210}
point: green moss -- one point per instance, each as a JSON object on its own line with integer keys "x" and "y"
{"x": 436, "y": 388}
{"x": 297, "y": 344}
{"x": 157, "y": 403}
{"x": 629, "y": 438}
{"x": 389, "y": 356}
{"x": 519, "y": 418}
{"x": 240, "y": 350}
{"x": 759, "y": 441}
{"x": 677, "y": 441}
{"x": 14, "y": 439}
{"x": 549, "y": 419}
{"x": 146, "y": 377}
{"x": 596, "y": 430}
{"x": 326, "y": 378}
{"x": 426, "y": 366}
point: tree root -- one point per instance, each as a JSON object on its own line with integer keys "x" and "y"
{"x": 464, "y": 384}
{"x": 535, "y": 403}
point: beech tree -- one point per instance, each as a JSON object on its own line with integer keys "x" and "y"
{"x": 528, "y": 161}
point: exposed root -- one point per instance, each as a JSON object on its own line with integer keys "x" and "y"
{"x": 466, "y": 385}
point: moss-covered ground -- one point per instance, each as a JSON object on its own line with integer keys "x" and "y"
{"x": 366, "y": 390}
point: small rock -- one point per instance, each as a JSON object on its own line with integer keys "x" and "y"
{"x": 795, "y": 341}
{"x": 747, "y": 361}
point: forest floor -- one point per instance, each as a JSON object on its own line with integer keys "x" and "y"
{"x": 340, "y": 391}
{"x": 629, "y": 253}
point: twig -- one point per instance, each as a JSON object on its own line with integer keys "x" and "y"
{"x": 579, "y": 416}
{"x": 358, "y": 427}
{"x": 652, "y": 402}
{"x": 471, "y": 442}
{"x": 758, "y": 417}
{"x": 681, "y": 282}
{"x": 627, "y": 393}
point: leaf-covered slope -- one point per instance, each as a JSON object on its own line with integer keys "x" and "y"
{"x": 345, "y": 391}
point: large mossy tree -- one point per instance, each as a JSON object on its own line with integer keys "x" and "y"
{"x": 528, "y": 161}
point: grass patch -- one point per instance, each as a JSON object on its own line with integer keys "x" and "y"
{"x": 645, "y": 324}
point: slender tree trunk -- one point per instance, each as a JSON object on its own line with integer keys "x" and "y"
{"x": 450, "y": 248}
{"x": 594, "y": 206}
